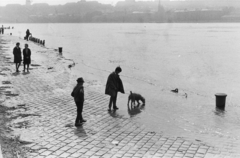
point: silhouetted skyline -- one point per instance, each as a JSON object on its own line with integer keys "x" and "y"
{"x": 57, "y": 2}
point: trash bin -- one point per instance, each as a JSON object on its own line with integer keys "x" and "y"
{"x": 220, "y": 100}
{"x": 60, "y": 49}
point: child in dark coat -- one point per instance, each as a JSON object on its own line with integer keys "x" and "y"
{"x": 78, "y": 94}
{"x": 26, "y": 57}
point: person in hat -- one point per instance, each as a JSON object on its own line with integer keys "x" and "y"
{"x": 78, "y": 94}
{"x": 113, "y": 86}
{"x": 26, "y": 57}
{"x": 17, "y": 56}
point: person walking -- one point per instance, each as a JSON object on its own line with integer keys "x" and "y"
{"x": 113, "y": 86}
{"x": 78, "y": 94}
{"x": 17, "y": 56}
{"x": 26, "y": 57}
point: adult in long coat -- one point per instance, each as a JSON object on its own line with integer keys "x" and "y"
{"x": 113, "y": 86}
{"x": 17, "y": 56}
{"x": 26, "y": 57}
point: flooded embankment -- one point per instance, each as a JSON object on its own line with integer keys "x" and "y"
{"x": 198, "y": 59}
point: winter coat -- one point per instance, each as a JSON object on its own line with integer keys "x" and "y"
{"x": 26, "y": 56}
{"x": 17, "y": 55}
{"x": 114, "y": 85}
{"x": 78, "y": 93}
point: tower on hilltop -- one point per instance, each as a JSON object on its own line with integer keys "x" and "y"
{"x": 28, "y": 2}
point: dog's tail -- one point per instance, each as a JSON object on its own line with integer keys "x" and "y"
{"x": 130, "y": 92}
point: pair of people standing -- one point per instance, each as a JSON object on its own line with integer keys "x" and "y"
{"x": 18, "y": 57}
{"x": 113, "y": 86}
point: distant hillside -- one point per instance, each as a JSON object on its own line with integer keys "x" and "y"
{"x": 124, "y": 11}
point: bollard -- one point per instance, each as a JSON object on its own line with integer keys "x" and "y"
{"x": 60, "y": 50}
{"x": 220, "y": 100}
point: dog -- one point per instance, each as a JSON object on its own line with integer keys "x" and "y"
{"x": 135, "y": 97}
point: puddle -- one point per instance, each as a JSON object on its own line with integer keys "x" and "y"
{"x": 6, "y": 82}
{"x": 70, "y": 125}
{"x": 12, "y": 95}
{"x": 4, "y": 87}
{"x": 3, "y": 74}
{"x": 35, "y": 65}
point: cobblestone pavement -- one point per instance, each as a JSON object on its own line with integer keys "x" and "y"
{"x": 46, "y": 112}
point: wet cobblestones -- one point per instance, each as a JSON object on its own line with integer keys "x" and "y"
{"x": 45, "y": 93}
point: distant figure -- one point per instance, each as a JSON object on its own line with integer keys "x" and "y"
{"x": 26, "y": 57}
{"x": 27, "y": 34}
{"x": 17, "y": 56}
{"x": 2, "y": 29}
{"x": 78, "y": 94}
{"x": 113, "y": 86}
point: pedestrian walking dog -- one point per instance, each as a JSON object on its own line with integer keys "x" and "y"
{"x": 135, "y": 97}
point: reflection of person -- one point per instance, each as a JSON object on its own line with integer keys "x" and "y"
{"x": 17, "y": 56}
{"x": 78, "y": 94}
{"x": 27, "y": 34}
{"x": 26, "y": 57}
{"x": 113, "y": 86}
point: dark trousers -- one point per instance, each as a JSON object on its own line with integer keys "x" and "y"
{"x": 24, "y": 66}
{"x": 79, "y": 111}
{"x": 113, "y": 100}
{"x": 17, "y": 66}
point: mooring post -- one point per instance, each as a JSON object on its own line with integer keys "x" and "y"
{"x": 220, "y": 100}
{"x": 60, "y": 50}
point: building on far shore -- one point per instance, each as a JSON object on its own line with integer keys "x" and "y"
{"x": 126, "y": 11}
{"x": 28, "y": 2}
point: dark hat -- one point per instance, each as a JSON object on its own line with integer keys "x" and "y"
{"x": 118, "y": 69}
{"x": 17, "y": 43}
{"x": 80, "y": 80}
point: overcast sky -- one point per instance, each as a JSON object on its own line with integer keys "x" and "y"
{"x": 55, "y": 2}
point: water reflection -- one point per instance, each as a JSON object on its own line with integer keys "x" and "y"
{"x": 15, "y": 74}
{"x": 26, "y": 73}
{"x": 115, "y": 114}
{"x": 133, "y": 110}
{"x": 80, "y": 132}
{"x": 220, "y": 112}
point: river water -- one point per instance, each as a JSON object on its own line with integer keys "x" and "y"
{"x": 198, "y": 59}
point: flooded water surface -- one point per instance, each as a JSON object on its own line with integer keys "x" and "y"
{"x": 198, "y": 59}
